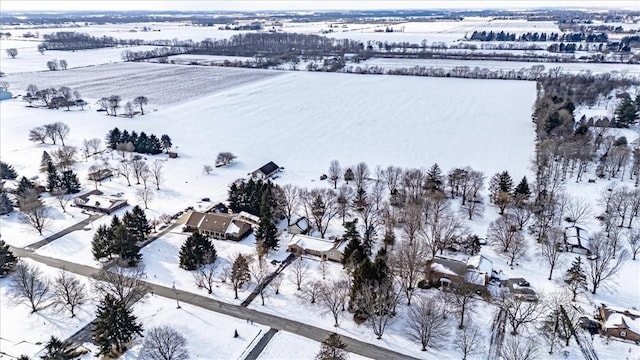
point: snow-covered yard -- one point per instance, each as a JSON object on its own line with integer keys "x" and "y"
{"x": 287, "y": 346}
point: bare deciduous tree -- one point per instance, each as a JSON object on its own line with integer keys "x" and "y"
{"x": 461, "y": 299}
{"x": 332, "y": 298}
{"x": 69, "y": 292}
{"x": 259, "y": 275}
{"x": 438, "y": 235}
{"x": 207, "y": 169}
{"x": 378, "y": 301}
{"x": 519, "y": 348}
{"x": 138, "y": 166}
{"x": 61, "y": 131}
{"x": 205, "y": 276}
{"x": 62, "y": 200}
{"x": 469, "y": 341}
{"x": 551, "y": 251}
{"x": 606, "y": 262}
{"x": 125, "y": 169}
{"x": 320, "y": 206}
{"x": 164, "y": 343}
{"x": 335, "y": 171}
{"x": 520, "y": 311}
{"x": 125, "y": 148}
{"x": 64, "y": 157}
{"x": 502, "y": 232}
{"x": 311, "y": 292}
{"x": 124, "y": 284}
{"x": 36, "y": 214}
{"x": 427, "y": 323}
{"x": 290, "y": 195}
{"x": 275, "y": 283}
{"x": 360, "y": 174}
{"x": 38, "y": 134}
{"x": 157, "y": 173}
{"x": 577, "y": 210}
{"x": 145, "y": 195}
{"x": 28, "y": 285}
{"x": 633, "y": 238}
{"x": 145, "y": 175}
{"x": 407, "y": 262}
{"x": 299, "y": 272}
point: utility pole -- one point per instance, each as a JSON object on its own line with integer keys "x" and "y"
{"x": 175, "y": 292}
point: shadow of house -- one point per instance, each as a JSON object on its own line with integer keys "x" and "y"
{"x": 266, "y": 171}
{"x": 299, "y": 226}
{"x": 96, "y": 201}
{"x": 620, "y": 323}
{"x": 322, "y": 248}
{"x": 220, "y": 226}
{"x": 576, "y": 239}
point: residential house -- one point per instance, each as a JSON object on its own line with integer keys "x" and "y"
{"x": 218, "y": 225}
{"x": 443, "y": 271}
{"x": 621, "y": 323}
{"x": 249, "y": 218}
{"x": 266, "y": 171}
{"x": 299, "y": 225}
{"x": 323, "y": 248}
{"x": 96, "y": 201}
{"x": 576, "y": 239}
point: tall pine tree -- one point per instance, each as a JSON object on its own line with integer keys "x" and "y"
{"x": 196, "y": 251}
{"x": 115, "y": 325}
{"x": 267, "y": 234}
{"x": 7, "y": 259}
{"x": 6, "y": 206}
{"x": 69, "y": 182}
{"x": 57, "y": 349}
{"x": 353, "y": 253}
{"x": 575, "y": 278}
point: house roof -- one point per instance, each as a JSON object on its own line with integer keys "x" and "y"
{"x": 617, "y": 320}
{"x": 269, "y": 168}
{"x": 215, "y": 223}
{"x": 475, "y": 277}
{"x": 481, "y": 263}
{"x": 454, "y": 267}
{"x": 194, "y": 219}
{"x": 576, "y": 236}
{"x": 312, "y": 243}
{"x": 99, "y": 201}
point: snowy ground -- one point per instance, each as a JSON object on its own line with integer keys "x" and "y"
{"x": 288, "y": 346}
{"x": 24, "y": 333}
{"x": 209, "y": 335}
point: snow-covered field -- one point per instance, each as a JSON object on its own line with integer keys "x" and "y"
{"x": 162, "y": 84}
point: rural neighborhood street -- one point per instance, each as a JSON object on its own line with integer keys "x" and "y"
{"x": 237, "y": 311}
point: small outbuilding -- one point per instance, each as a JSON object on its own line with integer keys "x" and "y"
{"x": 576, "y": 239}
{"x": 266, "y": 171}
{"x": 322, "y": 248}
{"x": 299, "y": 225}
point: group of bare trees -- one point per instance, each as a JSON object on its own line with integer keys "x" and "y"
{"x": 54, "y": 132}
{"x": 53, "y": 98}
{"x": 112, "y": 103}
{"x": 135, "y": 168}
{"x": 31, "y": 287}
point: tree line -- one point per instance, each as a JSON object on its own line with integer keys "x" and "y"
{"x": 134, "y": 142}
{"x": 543, "y": 36}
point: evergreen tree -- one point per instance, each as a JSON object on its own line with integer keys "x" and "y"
{"x": 196, "y": 251}
{"x": 348, "y": 175}
{"x": 575, "y": 278}
{"x": 7, "y": 171}
{"x": 353, "y": 252}
{"x": 155, "y": 145}
{"x": 267, "y": 234}
{"x": 69, "y": 182}
{"x": 7, "y": 259}
{"x": 114, "y": 137}
{"x": 44, "y": 161}
{"x": 626, "y": 112}
{"x": 6, "y": 206}
{"x": 332, "y": 348}
{"x": 24, "y": 186}
{"x": 435, "y": 179}
{"x": 522, "y": 191}
{"x": 115, "y": 325}
{"x": 505, "y": 183}
{"x": 59, "y": 350}
{"x": 136, "y": 223}
{"x": 53, "y": 179}
{"x": 102, "y": 245}
{"x": 166, "y": 142}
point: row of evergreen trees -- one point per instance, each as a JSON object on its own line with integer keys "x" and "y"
{"x": 142, "y": 143}
{"x": 66, "y": 182}
{"x": 121, "y": 237}
{"x": 529, "y": 36}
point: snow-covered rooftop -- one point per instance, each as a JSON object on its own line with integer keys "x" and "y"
{"x": 481, "y": 264}
{"x": 311, "y": 243}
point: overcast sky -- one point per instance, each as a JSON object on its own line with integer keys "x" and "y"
{"x": 251, "y": 5}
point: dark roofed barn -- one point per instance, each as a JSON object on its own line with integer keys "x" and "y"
{"x": 266, "y": 171}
